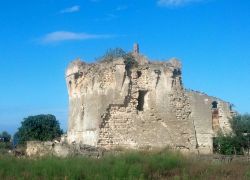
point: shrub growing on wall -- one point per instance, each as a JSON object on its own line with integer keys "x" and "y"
{"x": 112, "y": 54}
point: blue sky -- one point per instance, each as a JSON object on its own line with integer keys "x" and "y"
{"x": 39, "y": 38}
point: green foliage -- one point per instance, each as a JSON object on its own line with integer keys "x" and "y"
{"x": 128, "y": 165}
{"x": 228, "y": 145}
{"x": 40, "y": 127}
{"x": 5, "y": 145}
{"x": 237, "y": 141}
{"x": 241, "y": 124}
{"x": 5, "y": 142}
{"x": 5, "y": 136}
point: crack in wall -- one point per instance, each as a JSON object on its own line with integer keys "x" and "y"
{"x": 195, "y": 135}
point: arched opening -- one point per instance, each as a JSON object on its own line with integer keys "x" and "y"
{"x": 214, "y": 105}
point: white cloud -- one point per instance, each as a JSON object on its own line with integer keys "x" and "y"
{"x": 175, "y": 2}
{"x": 59, "y": 36}
{"x": 70, "y": 9}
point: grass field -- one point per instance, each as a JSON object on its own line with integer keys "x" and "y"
{"x": 129, "y": 165}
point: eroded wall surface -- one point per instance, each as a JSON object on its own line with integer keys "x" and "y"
{"x": 206, "y": 123}
{"x": 111, "y": 105}
{"x": 61, "y": 149}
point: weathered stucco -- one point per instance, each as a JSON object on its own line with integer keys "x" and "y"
{"x": 144, "y": 106}
{"x": 206, "y": 126}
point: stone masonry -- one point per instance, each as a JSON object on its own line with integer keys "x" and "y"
{"x": 145, "y": 106}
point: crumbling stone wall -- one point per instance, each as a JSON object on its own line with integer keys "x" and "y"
{"x": 144, "y": 106}
{"x": 202, "y": 115}
{"x": 61, "y": 149}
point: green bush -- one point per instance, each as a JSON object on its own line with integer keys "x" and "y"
{"x": 234, "y": 143}
{"x": 40, "y": 127}
{"x": 5, "y": 147}
{"x": 5, "y": 137}
{"x": 241, "y": 125}
{"x": 5, "y": 142}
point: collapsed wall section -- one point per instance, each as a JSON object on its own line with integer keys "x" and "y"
{"x": 156, "y": 114}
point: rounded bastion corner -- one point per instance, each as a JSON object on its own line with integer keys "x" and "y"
{"x": 74, "y": 67}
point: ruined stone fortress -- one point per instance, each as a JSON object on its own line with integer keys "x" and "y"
{"x": 142, "y": 107}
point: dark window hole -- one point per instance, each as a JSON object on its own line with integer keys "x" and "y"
{"x": 139, "y": 74}
{"x": 214, "y": 105}
{"x": 141, "y": 100}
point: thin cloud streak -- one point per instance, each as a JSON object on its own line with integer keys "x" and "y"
{"x": 59, "y": 36}
{"x": 175, "y": 3}
{"x": 72, "y": 9}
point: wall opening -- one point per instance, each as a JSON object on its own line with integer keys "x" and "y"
{"x": 231, "y": 107}
{"x": 138, "y": 74}
{"x": 214, "y": 105}
{"x": 70, "y": 83}
{"x": 70, "y": 87}
{"x": 78, "y": 75}
{"x": 141, "y": 100}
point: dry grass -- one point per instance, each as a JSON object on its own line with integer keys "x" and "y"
{"x": 129, "y": 165}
